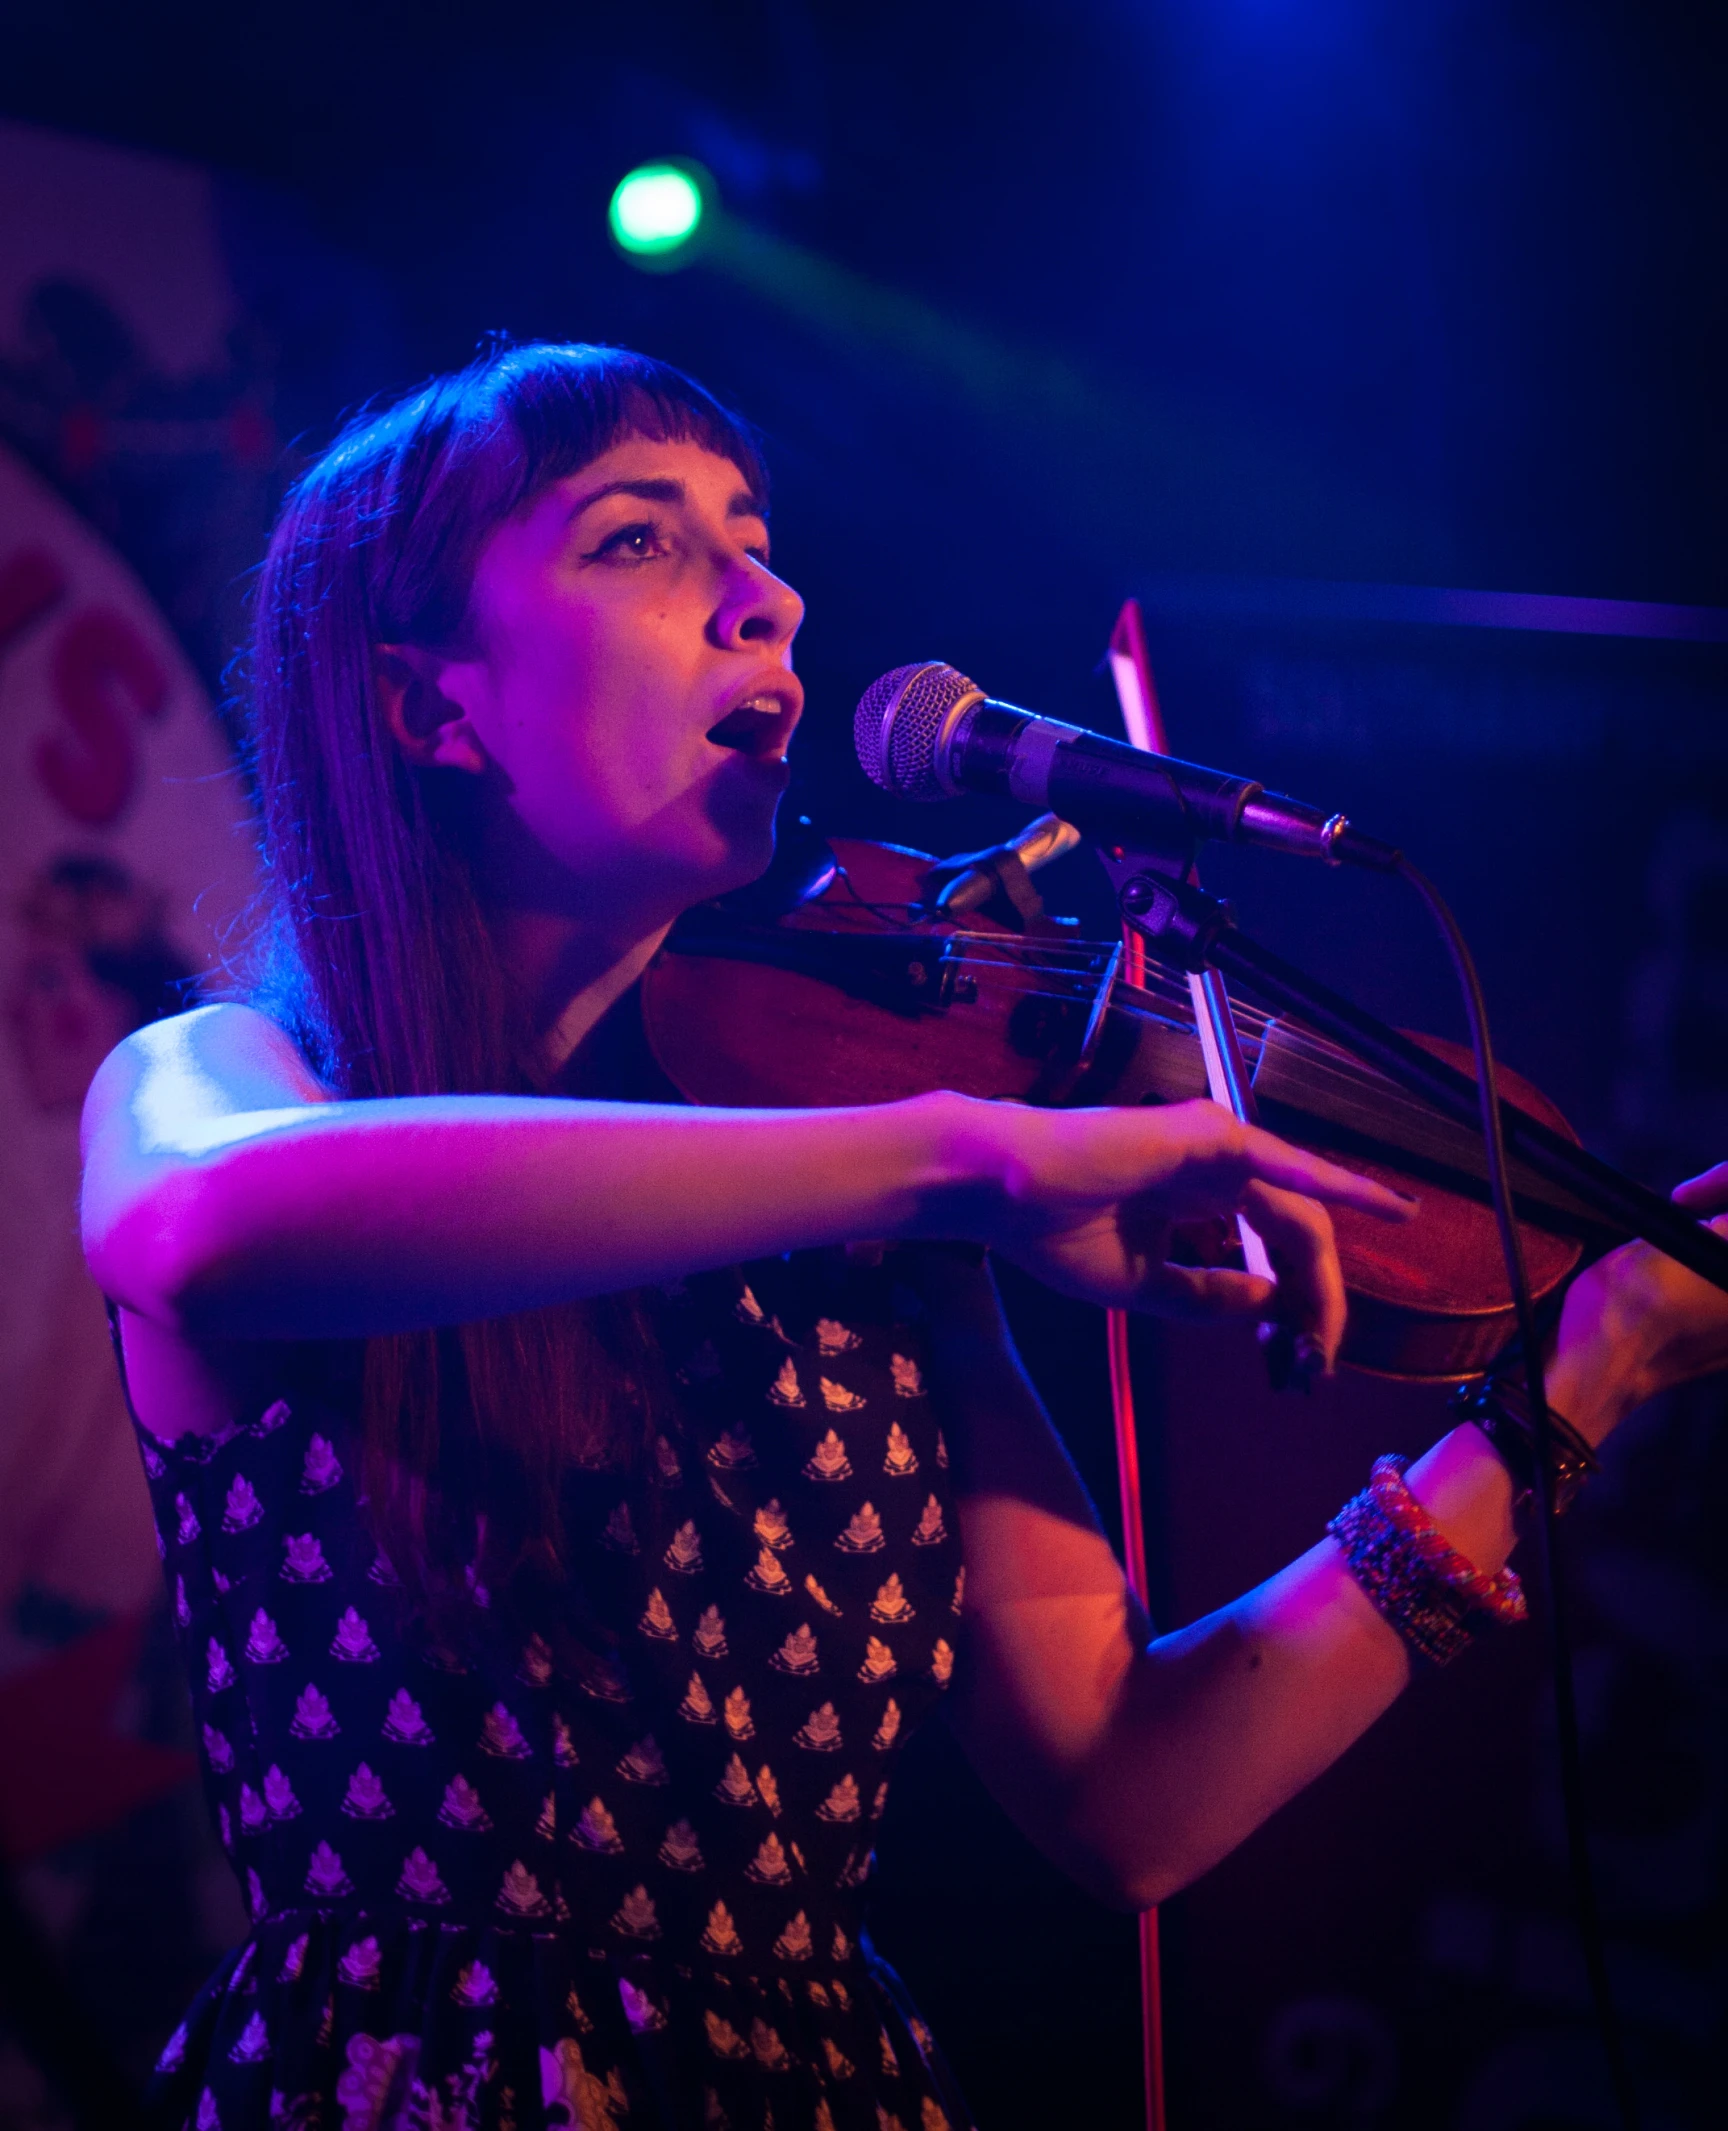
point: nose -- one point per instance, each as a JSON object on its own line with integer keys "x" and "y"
{"x": 757, "y": 610}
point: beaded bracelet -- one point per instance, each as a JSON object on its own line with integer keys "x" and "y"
{"x": 1500, "y": 1407}
{"x": 1437, "y": 1600}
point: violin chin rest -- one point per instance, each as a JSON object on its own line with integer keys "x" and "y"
{"x": 802, "y": 868}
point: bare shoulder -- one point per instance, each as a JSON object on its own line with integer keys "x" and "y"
{"x": 168, "y": 1081}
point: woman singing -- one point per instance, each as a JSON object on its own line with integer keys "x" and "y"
{"x": 566, "y": 1532}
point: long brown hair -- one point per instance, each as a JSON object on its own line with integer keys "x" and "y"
{"x": 375, "y": 952}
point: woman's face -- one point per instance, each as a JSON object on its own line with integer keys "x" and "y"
{"x": 630, "y": 685}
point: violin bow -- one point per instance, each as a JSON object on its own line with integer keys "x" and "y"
{"x": 1227, "y": 1079}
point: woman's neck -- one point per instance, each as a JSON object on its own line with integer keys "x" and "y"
{"x": 569, "y": 976}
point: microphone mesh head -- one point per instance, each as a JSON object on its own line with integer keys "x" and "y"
{"x": 899, "y": 720}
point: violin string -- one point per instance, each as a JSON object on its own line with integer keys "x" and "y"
{"x": 1333, "y": 1067}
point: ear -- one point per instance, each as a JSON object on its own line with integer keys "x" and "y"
{"x": 430, "y": 727}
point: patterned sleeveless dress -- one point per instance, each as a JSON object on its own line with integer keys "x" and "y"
{"x": 491, "y": 1891}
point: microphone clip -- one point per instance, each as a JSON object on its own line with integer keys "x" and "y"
{"x": 1158, "y": 899}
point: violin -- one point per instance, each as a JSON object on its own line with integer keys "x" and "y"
{"x": 849, "y": 988}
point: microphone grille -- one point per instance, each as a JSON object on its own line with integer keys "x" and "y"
{"x": 899, "y": 721}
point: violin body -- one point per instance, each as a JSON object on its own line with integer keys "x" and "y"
{"x": 855, "y": 996}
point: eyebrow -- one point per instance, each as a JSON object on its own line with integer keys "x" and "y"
{"x": 665, "y": 490}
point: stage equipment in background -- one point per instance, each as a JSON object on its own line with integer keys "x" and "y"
{"x": 658, "y": 212}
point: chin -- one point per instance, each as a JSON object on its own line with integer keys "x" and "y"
{"x": 746, "y": 834}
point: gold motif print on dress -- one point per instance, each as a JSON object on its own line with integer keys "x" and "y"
{"x": 821, "y": 1597}
{"x": 520, "y": 1893}
{"x": 842, "y": 1802}
{"x": 931, "y": 1530}
{"x": 723, "y": 2038}
{"x": 786, "y": 1390}
{"x": 597, "y": 1830}
{"x": 644, "y": 1763}
{"x": 462, "y": 1807}
{"x": 720, "y": 1934}
{"x": 942, "y": 1662}
{"x": 737, "y": 1715}
{"x": 771, "y": 2053}
{"x": 820, "y": 1731}
{"x": 908, "y": 1380}
{"x": 683, "y": 1555}
{"x": 832, "y": 1337}
{"x": 365, "y": 1799}
{"x": 419, "y": 1883}
{"x": 900, "y": 1460}
{"x": 769, "y": 1576}
{"x": 771, "y": 1527}
{"x": 735, "y": 1787}
{"x": 734, "y": 1452}
{"x": 710, "y": 1636}
{"x": 797, "y": 1654}
{"x": 769, "y": 1789}
{"x": 889, "y": 1728}
{"x": 697, "y": 1706}
{"x": 536, "y": 1668}
{"x": 657, "y": 1618}
{"x": 878, "y": 1662}
{"x": 828, "y": 1461}
{"x": 891, "y": 1603}
{"x": 795, "y": 1943}
{"x": 681, "y": 1851}
{"x": 501, "y": 1736}
{"x": 837, "y": 1398}
{"x": 863, "y": 1535}
{"x": 769, "y": 1867}
{"x": 635, "y": 1917}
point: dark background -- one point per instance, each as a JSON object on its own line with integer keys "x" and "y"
{"x": 1069, "y": 301}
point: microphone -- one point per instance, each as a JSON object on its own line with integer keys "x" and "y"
{"x": 926, "y": 732}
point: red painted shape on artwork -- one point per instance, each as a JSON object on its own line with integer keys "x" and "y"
{"x": 30, "y": 583}
{"x": 65, "y": 1773}
{"x": 105, "y": 676}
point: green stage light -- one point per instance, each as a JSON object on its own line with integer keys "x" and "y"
{"x": 658, "y": 210}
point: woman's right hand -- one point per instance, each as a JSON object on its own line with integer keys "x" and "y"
{"x": 1086, "y": 1200}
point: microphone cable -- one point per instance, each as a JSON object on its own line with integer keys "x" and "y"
{"x": 1570, "y": 1752}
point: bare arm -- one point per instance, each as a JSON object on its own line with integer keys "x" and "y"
{"x": 226, "y": 1194}
{"x": 1136, "y": 1764}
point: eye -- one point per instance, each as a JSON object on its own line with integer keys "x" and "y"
{"x": 640, "y": 542}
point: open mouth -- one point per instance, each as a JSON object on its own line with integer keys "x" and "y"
{"x": 760, "y": 727}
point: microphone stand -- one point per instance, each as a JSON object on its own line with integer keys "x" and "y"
{"x": 1198, "y": 933}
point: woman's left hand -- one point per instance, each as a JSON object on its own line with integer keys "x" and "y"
{"x": 1636, "y": 1323}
